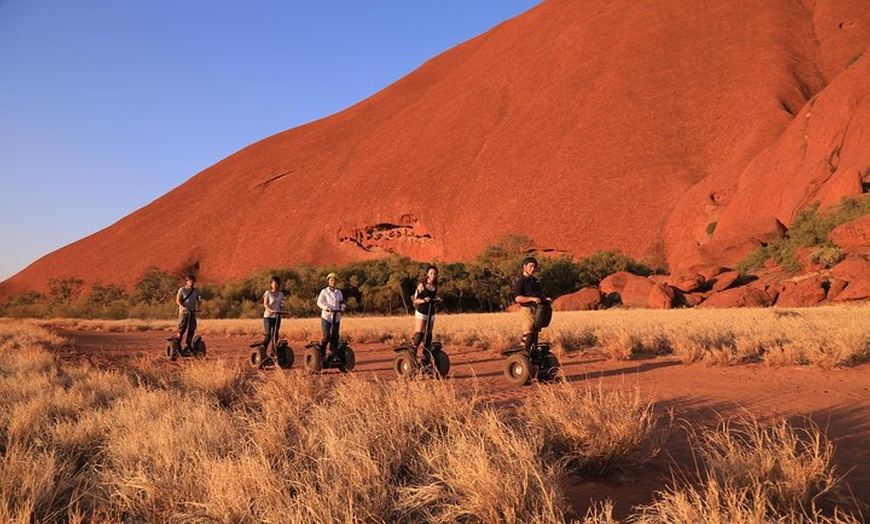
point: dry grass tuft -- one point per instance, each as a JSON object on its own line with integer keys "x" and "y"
{"x": 752, "y": 474}
{"x": 592, "y": 430}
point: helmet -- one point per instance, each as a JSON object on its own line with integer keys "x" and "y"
{"x": 530, "y": 260}
{"x": 332, "y": 275}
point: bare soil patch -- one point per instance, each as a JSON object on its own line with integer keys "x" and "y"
{"x": 698, "y": 395}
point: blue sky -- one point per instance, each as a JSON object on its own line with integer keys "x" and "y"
{"x": 105, "y": 105}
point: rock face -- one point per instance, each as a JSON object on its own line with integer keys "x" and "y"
{"x": 738, "y": 297}
{"x": 855, "y": 271}
{"x": 661, "y": 296}
{"x": 585, "y": 299}
{"x": 662, "y": 129}
{"x": 806, "y": 292}
{"x": 853, "y": 237}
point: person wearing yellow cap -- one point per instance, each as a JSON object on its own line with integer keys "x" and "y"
{"x": 331, "y": 303}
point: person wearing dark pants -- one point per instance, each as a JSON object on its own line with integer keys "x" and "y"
{"x": 188, "y": 299}
{"x": 273, "y": 303}
{"x": 331, "y": 303}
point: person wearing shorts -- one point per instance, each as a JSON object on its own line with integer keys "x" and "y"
{"x": 424, "y": 301}
{"x": 528, "y": 294}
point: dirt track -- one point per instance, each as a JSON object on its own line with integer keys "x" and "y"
{"x": 837, "y": 400}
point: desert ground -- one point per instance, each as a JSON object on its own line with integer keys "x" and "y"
{"x": 690, "y": 395}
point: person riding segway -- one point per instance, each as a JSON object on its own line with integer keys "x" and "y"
{"x": 434, "y": 361}
{"x": 532, "y": 359}
{"x": 188, "y": 300}
{"x": 341, "y": 356}
{"x": 281, "y": 353}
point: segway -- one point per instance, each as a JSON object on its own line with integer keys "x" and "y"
{"x": 533, "y": 360}
{"x": 279, "y": 351}
{"x": 434, "y": 362}
{"x": 341, "y": 358}
{"x": 196, "y": 349}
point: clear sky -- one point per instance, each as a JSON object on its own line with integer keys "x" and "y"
{"x": 105, "y": 105}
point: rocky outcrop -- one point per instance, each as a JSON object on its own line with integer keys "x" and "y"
{"x": 661, "y": 296}
{"x": 803, "y": 293}
{"x": 738, "y": 297}
{"x": 856, "y": 272}
{"x": 636, "y": 291}
{"x": 585, "y": 299}
{"x": 853, "y": 237}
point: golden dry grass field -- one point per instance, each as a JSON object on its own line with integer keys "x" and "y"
{"x": 675, "y": 416}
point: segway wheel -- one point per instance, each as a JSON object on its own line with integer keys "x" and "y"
{"x": 550, "y": 370}
{"x": 173, "y": 349}
{"x": 285, "y": 355}
{"x": 258, "y": 357}
{"x": 518, "y": 369}
{"x": 199, "y": 349}
{"x": 313, "y": 359}
{"x": 349, "y": 361}
{"x": 442, "y": 363}
{"x": 404, "y": 365}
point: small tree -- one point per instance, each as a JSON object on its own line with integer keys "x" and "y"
{"x": 105, "y": 295}
{"x": 156, "y": 287}
{"x": 559, "y": 276}
{"x": 65, "y": 290}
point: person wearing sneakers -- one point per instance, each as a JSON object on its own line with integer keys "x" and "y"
{"x": 188, "y": 299}
{"x": 528, "y": 294}
{"x": 331, "y": 303}
{"x": 425, "y": 298}
{"x": 273, "y": 303}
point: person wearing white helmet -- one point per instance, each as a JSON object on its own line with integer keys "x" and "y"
{"x": 331, "y": 303}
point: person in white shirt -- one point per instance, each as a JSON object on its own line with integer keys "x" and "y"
{"x": 273, "y": 303}
{"x": 331, "y": 303}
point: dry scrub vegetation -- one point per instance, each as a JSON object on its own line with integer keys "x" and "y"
{"x": 211, "y": 443}
{"x": 827, "y": 337}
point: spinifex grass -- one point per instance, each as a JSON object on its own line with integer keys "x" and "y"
{"x": 210, "y": 443}
{"x": 827, "y": 337}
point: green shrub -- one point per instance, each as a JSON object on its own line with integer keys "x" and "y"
{"x": 711, "y": 227}
{"x": 809, "y": 229}
{"x": 375, "y": 287}
{"x": 601, "y": 264}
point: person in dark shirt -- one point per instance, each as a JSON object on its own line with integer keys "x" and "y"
{"x": 424, "y": 307}
{"x": 528, "y": 294}
{"x": 188, "y": 300}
